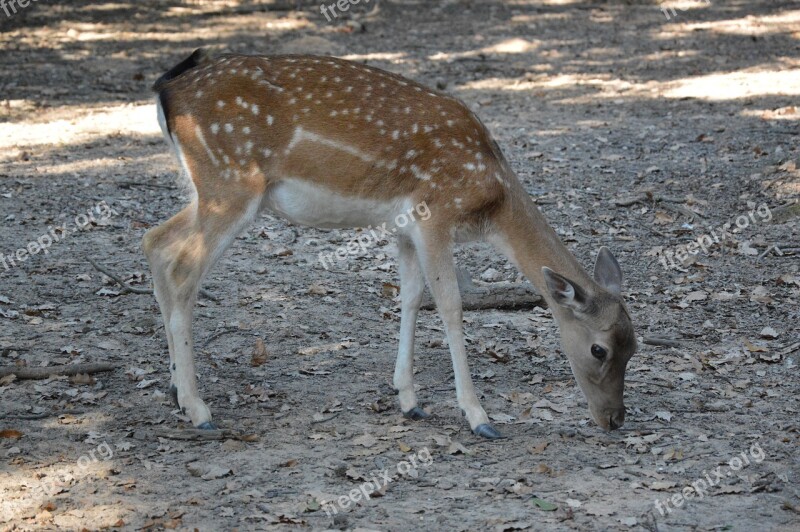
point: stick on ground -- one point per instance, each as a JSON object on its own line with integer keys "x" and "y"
{"x": 666, "y": 342}
{"x": 126, "y": 288}
{"x": 23, "y": 372}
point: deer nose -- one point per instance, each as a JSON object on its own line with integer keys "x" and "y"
{"x": 617, "y": 419}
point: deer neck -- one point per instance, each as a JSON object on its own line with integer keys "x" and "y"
{"x": 526, "y": 238}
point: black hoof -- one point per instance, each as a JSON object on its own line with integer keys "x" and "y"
{"x": 416, "y": 414}
{"x": 173, "y": 392}
{"x": 487, "y": 431}
{"x": 207, "y": 426}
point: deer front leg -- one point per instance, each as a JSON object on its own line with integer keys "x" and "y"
{"x": 440, "y": 271}
{"x": 180, "y": 253}
{"x": 412, "y": 284}
{"x": 177, "y": 260}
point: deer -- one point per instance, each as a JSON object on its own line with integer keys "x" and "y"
{"x": 329, "y": 143}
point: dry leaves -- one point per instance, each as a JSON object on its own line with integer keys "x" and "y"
{"x": 259, "y": 357}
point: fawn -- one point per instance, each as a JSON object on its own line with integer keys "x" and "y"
{"x": 330, "y": 143}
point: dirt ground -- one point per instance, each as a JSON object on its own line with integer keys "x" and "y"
{"x": 629, "y": 129}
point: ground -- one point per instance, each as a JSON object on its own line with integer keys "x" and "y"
{"x": 631, "y": 127}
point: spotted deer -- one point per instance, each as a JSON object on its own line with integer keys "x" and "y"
{"x": 329, "y": 143}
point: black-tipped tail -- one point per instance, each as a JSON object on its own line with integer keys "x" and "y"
{"x": 199, "y": 57}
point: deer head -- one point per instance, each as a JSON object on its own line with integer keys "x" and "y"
{"x": 596, "y": 335}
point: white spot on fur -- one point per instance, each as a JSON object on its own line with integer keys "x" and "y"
{"x": 419, "y": 174}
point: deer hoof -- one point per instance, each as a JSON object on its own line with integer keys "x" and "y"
{"x": 207, "y": 426}
{"x": 487, "y": 431}
{"x": 173, "y": 391}
{"x": 416, "y": 414}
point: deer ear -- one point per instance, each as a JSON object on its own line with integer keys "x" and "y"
{"x": 607, "y": 272}
{"x": 563, "y": 291}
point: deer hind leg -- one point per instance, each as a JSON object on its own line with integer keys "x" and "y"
{"x": 436, "y": 257}
{"x": 412, "y": 284}
{"x": 181, "y": 252}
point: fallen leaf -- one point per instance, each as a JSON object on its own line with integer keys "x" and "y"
{"x": 544, "y": 403}
{"x": 769, "y": 333}
{"x": 662, "y": 485}
{"x": 82, "y": 378}
{"x": 544, "y": 505}
{"x": 315, "y": 350}
{"x": 598, "y": 509}
{"x": 573, "y": 503}
{"x": 760, "y": 295}
{"x": 259, "y": 354}
{"x": 697, "y": 295}
{"x": 317, "y": 290}
{"x": 10, "y": 434}
{"x": 664, "y": 415}
{"x": 753, "y": 348}
{"x": 366, "y": 440}
{"x": 456, "y": 448}
{"x": 389, "y": 290}
{"x": 501, "y": 418}
{"x": 208, "y": 471}
{"x": 538, "y": 449}
{"x": 662, "y": 218}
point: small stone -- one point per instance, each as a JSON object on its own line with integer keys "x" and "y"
{"x": 491, "y": 275}
{"x": 769, "y": 333}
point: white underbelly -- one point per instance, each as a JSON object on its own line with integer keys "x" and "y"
{"x": 308, "y": 204}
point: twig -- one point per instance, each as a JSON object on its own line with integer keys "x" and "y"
{"x": 645, "y": 197}
{"x": 24, "y": 372}
{"x": 114, "y": 277}
{"x": 326, "y": 419}
{"x": 503, "y": 296}
{"x": 195, "y": 434}
{"x": 668, "y": 385}
{"x": 33, "y": 417}
{"x": 794, "y": 347}
{"x": 138, "y": 184}
{"x": 216, "y": 335}
{"x": 682, "y": 210}
{"x": 27, "y": 417}
{"x": 126, "y": 288}
{"x": 766, "y": 252}
{"x": 666, "y": 342}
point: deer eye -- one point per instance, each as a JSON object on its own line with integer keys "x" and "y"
{"x": 599, "y": 352}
